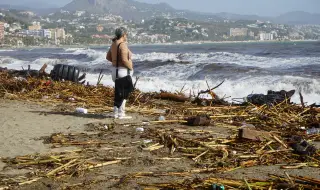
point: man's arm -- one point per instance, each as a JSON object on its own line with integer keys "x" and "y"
{"x": 109, "y": 56}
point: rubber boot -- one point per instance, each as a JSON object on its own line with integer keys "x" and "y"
{"x": 122, "y": 112}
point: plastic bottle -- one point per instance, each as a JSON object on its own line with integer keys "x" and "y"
{"x": 217, "y": 187}
{"x": 162, "y": 118}
{"x": 313, "y": 131}
{"x": 81, "y": 110}
{"x": 147, "y": 141}
{"x": 139, "y": 129}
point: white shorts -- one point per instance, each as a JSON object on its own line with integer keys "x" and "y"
{"x": 122, "y": 72}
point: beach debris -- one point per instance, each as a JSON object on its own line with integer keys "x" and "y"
{"x": 71, "y": 99}
{"x": 272, "y": 97}
{"x": 100, "y": 77}
{"x": 208, "y": 97}
{"x": 82, "y": 110}
{"x": 42, "y": 71}
{"x": 248, "y": 125}
{"x": 217, "y": 187}
{"x": 153, "y": 147}
{"x": 72, "y": 163}
{"x": 140, "y": 129}
{"x": 280, "y": 96}
{"x": 302, "y": 147}
{"x": 268, "y": 134}
{"x": 147, "y": 141}
{"x": 161, "y": 118}
{"x": 313, "y": 131}
{"x": 170, "y": 96}
{"x": 10, "y": 96}
{"x": 77, "y": 139}
{"x": 255, "y": 135}
{"x": 22, "y": 74}
{"x": 200, "y": 120}
{"x": 65, "y": 72}
{"x": 45, "y": 97}
{"x": 274, "y": 182}
{"x": 210, "y": 90}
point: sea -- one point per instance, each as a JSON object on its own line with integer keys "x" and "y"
{"x": 245, "y": 68}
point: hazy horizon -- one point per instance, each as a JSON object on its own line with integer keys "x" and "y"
{"x": 245, "y": 7}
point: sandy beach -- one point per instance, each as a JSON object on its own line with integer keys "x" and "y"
{"x": 23, "y": 123}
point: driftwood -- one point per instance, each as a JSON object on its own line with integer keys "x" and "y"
{"x": 301, "y": 100}
{"x": 135, "y": 84}
{"x": 40, "y": 73}
{"x": 100, "y": 77}
{"x": 26, "y": 73}
{"x": 173, "y": 97}
{"x": 215, "y": 98}
{"x": 209, "y": 90}
{"x": 43, "y": 69}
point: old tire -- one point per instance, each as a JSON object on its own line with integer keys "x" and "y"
{"x": 65, "y": 72}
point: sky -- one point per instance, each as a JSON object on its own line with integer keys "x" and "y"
{"x": 256, "y": 7}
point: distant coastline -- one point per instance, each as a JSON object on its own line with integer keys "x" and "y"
{"x": 230, "y": 42}
{"x": 151, "y": 44}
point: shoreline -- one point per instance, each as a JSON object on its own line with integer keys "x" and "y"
{"x": 159, "y": 44}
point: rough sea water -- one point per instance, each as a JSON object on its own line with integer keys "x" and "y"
{"x": 246, "y": 67}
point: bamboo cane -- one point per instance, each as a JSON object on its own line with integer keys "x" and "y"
{"x": 61, "y": 167}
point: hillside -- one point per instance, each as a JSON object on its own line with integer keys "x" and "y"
{"x": 298, "y": 17}
{"x": 133, "y": 10}
{"x": 231, "y": 16}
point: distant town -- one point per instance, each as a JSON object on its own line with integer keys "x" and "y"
{"x": 25, "y": 28}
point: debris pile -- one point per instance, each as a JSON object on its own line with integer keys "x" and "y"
{"x": 275, "y": 182}
{"x": 272, "y": 133}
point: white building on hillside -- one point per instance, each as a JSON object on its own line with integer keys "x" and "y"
{"x": 47, "y": 33}
{"x": 266, "y": 36}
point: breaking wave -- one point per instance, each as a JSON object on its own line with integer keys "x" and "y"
{"x": 206, "y": 58}
{"x": 243, "y": 73}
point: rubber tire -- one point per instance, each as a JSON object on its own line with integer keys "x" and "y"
{"x": 64, "y": 75}
{"x": 70, "y": 73}
{"x": 59, "y": 72}
{"x": 76, "y": 75}
{"x": 65, "y": 72}
{"x": 55, "y": 74}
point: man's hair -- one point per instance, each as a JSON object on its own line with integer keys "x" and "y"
{"x": 119, "y": 33}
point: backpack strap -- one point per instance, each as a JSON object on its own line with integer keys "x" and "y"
{"x": 118, "y": 52}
